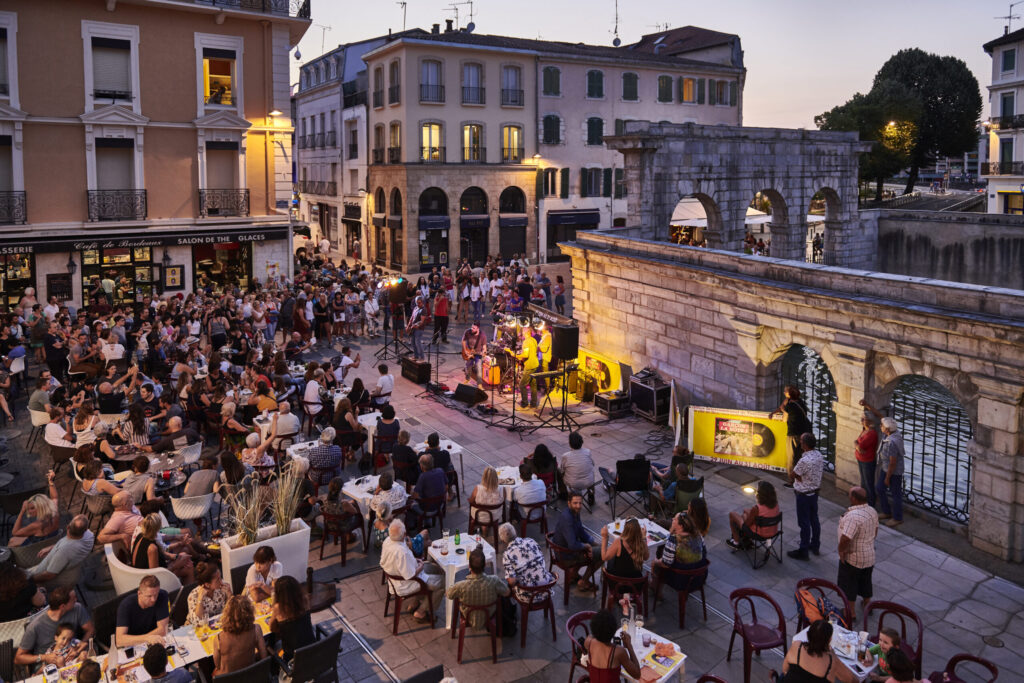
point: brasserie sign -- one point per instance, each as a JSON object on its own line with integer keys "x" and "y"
{"x": 159, "y": 240}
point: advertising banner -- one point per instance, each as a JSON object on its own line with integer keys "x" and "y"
{"x": 738, "y": 437}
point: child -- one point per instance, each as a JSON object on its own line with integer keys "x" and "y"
{"x": 64, "y": 644}
{"x": 901, "y": 667}
{"x": 888, "y": 640}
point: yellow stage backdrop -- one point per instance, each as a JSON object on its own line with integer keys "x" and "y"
{"x": 738, "y": 437}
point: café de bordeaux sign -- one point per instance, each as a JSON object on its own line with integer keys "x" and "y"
{"x": 157, "y": 240}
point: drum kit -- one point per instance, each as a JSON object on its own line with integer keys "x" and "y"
{"x": 497, "y": 368}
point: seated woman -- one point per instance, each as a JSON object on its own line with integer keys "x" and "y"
{"x": 83, "y": 425}
{"x": 134, "y": 430}
{"x": 255, "y": 452}
{"x": 209, "y": 597}
{"x": 234, "y": 431}
{"x": 684, "y": 549}
{"x": 349, "y": 434}
{"x": 358, "y": 395}
{"x": 813, "y": 661}
{"x": 240, "y": 641}
{"x": 667, "y": 473}
{"x": 386, "y": 490}
{"x": 93, "y": 481}
{"x": 338, "y": 505}
{"x": 388, "y": 428}
{"x": 291, "y": 620}
{"x": 263, "y": 398}
{"x": 382, "y": 520}
{"x": 626, "y": 554}
{"x": 146, "y": 552}
{"x": 142, "y": 486}
{"x": 487, "y": 492}
{"x": 404, "y": 460}
{"x": 697, "y": 510}
{"x": 607, "y": 661}
{"x": 746, "y": 523}
{"x": 39, "y": 518}
{"x": 19, "y": 595}
{"x": 233, "y": 474}
{"x": 263, "y": 572}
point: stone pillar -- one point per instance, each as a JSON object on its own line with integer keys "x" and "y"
{"x": 788, "y": 238}
{"x": 848, "y": 366}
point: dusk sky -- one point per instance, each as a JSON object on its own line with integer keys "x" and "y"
{"x": 802, "y": 56}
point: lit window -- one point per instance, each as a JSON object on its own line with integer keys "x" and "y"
{"x": 431, "y": 142}
{"x": 218, "y": 76}
{"x": 511, "y": 144}
{"x": 688, "y": 90}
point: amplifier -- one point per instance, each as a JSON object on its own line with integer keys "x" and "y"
{"x": 417, "y": 371}
{"x": 613, "y": 404}
{"x": 650, "y": 399}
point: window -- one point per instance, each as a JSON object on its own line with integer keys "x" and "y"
{"x": 552, "y": 130}
{"x": 378, "y": 144}
{"x": 664, "y": 88}
{"x": 590, "y": 182}
{"x": 630, "y": 87}
{"x": 595, "y": 130}
{"x": 394, "y": 82}
{"x": 552, "y": 81}
{"x": 595, "y": 84}
{"x": 719, "y": 92}
{"x": 620, "y": 127}
{"x": 111, "y": 69}
{"x": 115, "y": 169}
{"x": 1005, "y": 150}
{"x": 723, "y": 92}
{"x": 620, "y": 183}
{"x": 550, "y": 186}
{"x": 688, "y": 90}
{"x": 378, "y": 87}
{"x": 511, "y": 86}
{"x": 472, "y": 142}
{"x": 218, "y": 75}
{"x": 5, "y": 81}
{"x": 1009, "y": 60}
{"x": 512, "y": 144}
{"x": 431, "y": 149}
{"x": 394, "y": 143}
{"x": 1006, "y": 104}
{"x": 472, "y": 84}
{"x": 431, "y": 87}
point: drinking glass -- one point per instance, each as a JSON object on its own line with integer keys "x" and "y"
{"x": 639, "y": 621}
{"x": 646, "y": 638}
{"x": 625, "y": 625}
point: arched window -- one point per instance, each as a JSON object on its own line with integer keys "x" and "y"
{"x": 433, "y": 202}
{"x": 394, "y": 82}
{"x": 552, "y": 81}
{"x": 552, "y": 133}
{"x": 512, "y": 200}
{"x": 595, "y": 84}
{"x": 473, "y": 202}
{"x": 630, "y": 87}
{"x": 396, "y": 203}
{"x": 379, "y": 203}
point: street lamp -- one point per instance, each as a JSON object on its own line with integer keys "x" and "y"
{"x": 71, "y": 266}
{"x": 166, "y": 260}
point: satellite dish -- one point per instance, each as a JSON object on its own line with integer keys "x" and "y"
{"x": 298, "y": 55}
{"x": 470, "y": 27}
{"x": 616, "y": 42}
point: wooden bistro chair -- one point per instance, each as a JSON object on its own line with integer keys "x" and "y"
{"x": 492, "y": 616}
{"x": 556, "y": 558}
{"x": 335, "y": 526}
{"x": 434, "y": 509}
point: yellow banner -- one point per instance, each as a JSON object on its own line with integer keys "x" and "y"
{"x": 738, "y": 437}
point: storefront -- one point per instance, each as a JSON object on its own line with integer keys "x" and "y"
{"x": 351, "y": 226}
{"x": 221, "y": 266}
{"x": 562, "y": 227}
{"x": 473, "y": 231}
{"x": 131, "y": 269}
{"x": 433, "y": 241}
{"x": 17, "y": 272}
{"x": 380, "y": 235}
{"x": 511, "y": 234}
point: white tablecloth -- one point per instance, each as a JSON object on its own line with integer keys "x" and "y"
{"x": 300, "y": 449}
{"x": 675, "y": 672}
{"x": 370, "y": 422}
{"x": 656, "y": 535}
{"x": 362, "y": 493}
{"x": 454, "y": 449}
{"x": 858, "y": 669}
{"x": 453, "y": 563}
{"x": 509, "y": 472}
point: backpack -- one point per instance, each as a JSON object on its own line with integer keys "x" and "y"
{"x": 814, "y": 608}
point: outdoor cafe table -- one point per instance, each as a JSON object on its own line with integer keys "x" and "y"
{"x": 453, "y": 449}
{"x": 844, "y": 644}
{"x": 455, "y": 562}
{"x": 369, "y": 421}
{"x": 656, "y": 535}
{"x": 361, "y": 490}
{"x": 669, "y": 668}
{"x": 337, "y": 394}
{"x": 508, "y": 473}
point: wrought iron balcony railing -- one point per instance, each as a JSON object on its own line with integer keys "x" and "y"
{"x": 1007, "y": 122}
{"x": 473, "y": 95}
{"x": 431, "y": 93}
{"x": 353, "y": 151}
{"x": 117, "y": 205}
{"x": 511, "y": 97}
{"x": 394, "y": 94}
{"x": 13, "y": 209}
{"x": 432, "y": 155}
{"x": 394, "y": 155}
{"x": 378, "y": 99}
{"x": 319, "y": 140}
{"x": 332, "y": 138}
{"x": 377, "y": 156}
{"x": 511, "y": 155}
{"x": 290, "y": 8}
{"x": 1003, "y": 168}
{"x": 217, "y": 202}
{"x": 474, "y": 155}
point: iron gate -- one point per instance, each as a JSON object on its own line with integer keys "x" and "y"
{"x": 803, "y": 368}
{"x": 937, "y": 468}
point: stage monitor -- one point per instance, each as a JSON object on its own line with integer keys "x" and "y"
{"x": 468, "y": 394}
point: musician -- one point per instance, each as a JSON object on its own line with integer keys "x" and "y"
{"x": 417, "y": 321}
{"x": 531, "y": 364}
{"x": 544, "y": 353}
{"x": 473, "y": 345}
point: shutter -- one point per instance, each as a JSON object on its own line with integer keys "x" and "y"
{"x": 114, "y": 168}
{"x": 700, "y": 91}
{"x": 620, "y": 187}
{"x": 111, "y": 68}
{"x": 540, "y": 184}
{"x": 733, "y": 87}
{"x": 712, "y": 91}
{"x": 4, "y": 77}
{"x": 221, "y": 168}
{"x": 682, "y": 88}
{"x": 564, "y": 184}
{"x": 620, "y": 127}
{"x": 583, "y": 182}
{"x": 607, "y": 185}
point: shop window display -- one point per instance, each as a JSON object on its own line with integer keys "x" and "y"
{"x": 17, "y": 272}
{"x": 130, "y": 269}
{"x": 218, "y": 266}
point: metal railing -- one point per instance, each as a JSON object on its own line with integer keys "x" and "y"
{"x": 116, "y": 205}
{"x": 353, "y": 151}
{"x": 13, "y": 208}
{"x": 354, "y": 99}
{"x": 431, "y": 93}
{"x": 805, "y": 369}
{"x": 972, "y": 203}
{"x": 394, "y": 155}
{"x": 332, "y": 138}
{"x": 223, "y": 203}
{"x": 378, "y": 99}
{"x": 320, "y": 139}
{"x": 511, "y": 155}
{"x": 310, "y": 137}
{"x": 377, "y": 156}
{"x": 474, "y": 155}
{"x": 1007, "y": 122}
{"x": 299, "y": 9}
{"x": 300, "y": 141}
{"x": 394, "y": 94}
{"x": 121, "y": 95}
{"x": 511, "y": 97}
{"x": 432, "y": 155}
{"x": 1003, "y": 168}
{"x": 473, "y": 95}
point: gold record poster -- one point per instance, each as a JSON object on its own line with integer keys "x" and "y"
{"x": 738, "y": 437}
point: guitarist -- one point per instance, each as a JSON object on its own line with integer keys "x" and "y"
{"x": 473, "y": 345}
{"x": 531, "y": 363}
{"x": 417, "y": 321}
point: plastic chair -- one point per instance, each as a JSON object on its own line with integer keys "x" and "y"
{"x": 569, "y": 567}
{"x": 382, "y": 448}
{"x": 104, "y": 619}
{"x": 534, "y": 513}
{"x": 433, "y": 511}
{"x": 486, "y": 516}
{"x": 576, "y": 622}
{"x": 753, "y": 544}
{"x": 13, "y": 630}
{"x": 317, "y": 661}
{"x": 309, "y": 417}
{"x": 613, "y": 588}
{"x": 903, "y": 614}
{"x": 336, "y": 526}
{"x": 756, "y": 635}
{"x": 492, "y": 623}
{"x": 126, "y": 578}
{"x": 690, "y": 575}
{"x": 531, "y": 604}
{"x": 432, "y": 675}
{"x": 948, "y": 675}
{"x": 405, "y": 472}
{"x": 423, "y": 591}
{"x": 26, "y": 556}
{"x": 190, "y": 455}
{"x": 254, "y": 673}
{"x": 195, "y": 508}
{"x": 238, "y": 575}
{"x": 7, "y": 659}
{"x": 39, "y": 421}
{"x": 820, "y": 588}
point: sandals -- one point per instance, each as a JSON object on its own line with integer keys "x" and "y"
{"x": 586, "y": 586}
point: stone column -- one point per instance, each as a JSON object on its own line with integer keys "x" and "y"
{"x": 848, "y": 366}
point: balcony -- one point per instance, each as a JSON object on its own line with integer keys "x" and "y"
{"x": 332, "y": 138}
{"x": 394, "y": 155}
{"x": 319, "y": 140}
{"x": 300, "y": 141}
{"x": 474, "y": 155}
{"x": 1003, "y": 168}
{"x": 354, "y": 99}
{"x": 13, "y": 208}
{"x": 394, "y": 94}
{"x": 309, "y": 141}
{"x": 223, "y": 203}
{"x": 1007, "y": 122}
{"x": 353, "y": 151}
{"x": 511, "y": 98}
{"x": 377, "y": 156}
{"x": 511, "y": 155}
{"x": 298, "y": 9}
{"x": 432, "y": 155}
{"x": 378, "y": 99}
{"x": 473, "y": 95}
{"x": 117, "y": 205}
{"x": 431, "y": 93}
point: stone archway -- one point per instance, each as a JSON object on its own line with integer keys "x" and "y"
{"x": 821, "y": 235}
{"x": 694, "y": 218}
{"x": 804, "y": 368}
{"x": 775, "y": 233}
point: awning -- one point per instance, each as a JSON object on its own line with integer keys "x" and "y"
{"x": 574, "y": 218}
{"x": 379, "y": 220}
{"x": 354, "y": 222}
{"x": 512, "y": 220}
{"x": 395, "y": 222}
{"x": 199, "y": 235}
{"x": 471, "y": 220}
{"x": 435, "y": 222}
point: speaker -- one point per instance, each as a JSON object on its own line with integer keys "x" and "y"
{"x": 468, "y": 394}
{"x": 417, "y": 371}
{"x": 565, "y": 342}
{"x": 399, "y": 293}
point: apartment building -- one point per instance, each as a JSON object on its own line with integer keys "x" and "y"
{"x": 147, "y": 142}
{"x": 484, "y": 144}
{"x": 1005, "y": 170}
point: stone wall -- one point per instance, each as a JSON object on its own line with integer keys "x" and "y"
{"x": 984, "y": 249}
{"x": 718, "y": 322}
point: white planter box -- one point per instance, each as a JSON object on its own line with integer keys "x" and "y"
{"x": 292, "y": 550}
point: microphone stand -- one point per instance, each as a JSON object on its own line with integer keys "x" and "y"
{"x": 436, "y": 388}
{"x": 513, "y": 423}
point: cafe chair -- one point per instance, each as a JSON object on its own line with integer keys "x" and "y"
{"x": 322, "y": 476}
{"x": 424, "y": 591}
{"x": 104, "y": 620}
{"x": 195, "y": 508}
{"x": 492, "y": 614}
{"x": 693, "y": 580}
{"x": 535, "y": 599}
{"x": 759, "y": 549}
{"x": 577, "y": 627}
{"x": 756, "y": 635}
{"x": 14, "y": 630}
{"x": 309, "y": 418}
{"x": 631, "y": 483}
{"x": 432, "y": 675}
{"x": 179, "y": 608}
{"x": 10, "y": 505}
{"x": 487, "y": 517}
{"x": 406, "y": 472}
{"x": 534, "y": 513}
{"x": 336, "y": 527}
{"x": 238, "y": 575}
{"x": 73, "y": 376}
{"x": 613, "y": 588}
{"x": 190, "y": 456}
{"x": 821, "y": 589}
{"x": 453, "y": 480}
{"x": 39, "y": 421}
{"x": 126, "y": 578}
{"x": 559, "y": 556}
{"x": 434, "y": 509}
{"x": 317, "y": 661}
{"x": 382, "y": 448}
{"x": 7, "y": 659}
{"x": 904, "y": 615}
{"x": 26, "y": 556}
{"x": 76, "y": 490}
{"x": 60, "y": 455}
{"x": 948, "y": 675}
{"x": 98, "y": 505}
{"x": 259, "y": 672}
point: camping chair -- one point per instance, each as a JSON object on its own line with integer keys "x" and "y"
{"x": 632, "y": 483}
{"x": 687, "y": 490}
{"x": 753, "y": 543}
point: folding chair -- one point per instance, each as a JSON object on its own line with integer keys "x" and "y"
{"x": 753, "y": 543}
{"x": 632, "y": 483}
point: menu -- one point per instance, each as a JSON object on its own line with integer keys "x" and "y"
{"x": 662, "y": 663}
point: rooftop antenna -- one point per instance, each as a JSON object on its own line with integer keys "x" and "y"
{"x": 1010, "y": 16}
{"x": 323, "y": 35}
{"x": 664, "y": 26}
{"x": 470, "y": 26}
{"x": 403, "y": 6}
{"x": 616, "y": 41}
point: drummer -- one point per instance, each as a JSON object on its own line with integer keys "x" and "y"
{"x": 473, "y": 345}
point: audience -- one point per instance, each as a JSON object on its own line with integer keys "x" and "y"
{"x": 240, "y": 641}
{"x": 123, "y": 520}
{"x": 576, "y": 468}
{"x": 487, "y": 492}
{"x": 570, "y": 534}
{"x": 324, "y": 458}
{"x": 69, "y": 550}
{"x": 40, "y": 632}
{"x": 600, "y": 650}
{"x": 396, "y": 559}
{"x": 291, "y": 620}
{"x": 524, "y": 563}
{"x": 431, "y": 484}
{"x": 154, "y": 661}
{"x": 530, "y": 492}
{"x": 142, "y": 618}
{"x": 19, "y": 594}
{"x": 477, "y": 590}
{"x": 813, "y": 660}
{"x": 264, "y": 571}
{"x": 626, "y": 554}
{"x": 745, "y": 524}
{"x": 39, "y": 518}
{"x": 147, "y": 553}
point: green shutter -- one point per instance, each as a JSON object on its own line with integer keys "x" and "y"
{"x": 682, "y": 89}
{"x": 700, "y": 91}
{"x": 620, "y": 186}
{"x": 563, "y": 184}
{"x": 606, "y": 188}
{"x": 733, "y": 86}
{"x": 620, "y": 127}
{"x": 583, "y": 182}
{"x": 540, "y": 184}
{"x": 712, "y": 91}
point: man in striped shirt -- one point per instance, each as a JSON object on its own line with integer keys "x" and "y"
{"x": 858, "y": 528}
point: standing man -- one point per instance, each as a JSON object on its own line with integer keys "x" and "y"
{"x": 806, "y": 484}
{"x": 108, "y": 288}
{"x": 890, "y": 473}
{"x": 325, "y": 247}
{"x": 797, "y": 423}
{"x": 528, "y": 357}
{"x": 473, "y": 345}
{"x": 417, "y": 319}
{"x": 858, "y": 528}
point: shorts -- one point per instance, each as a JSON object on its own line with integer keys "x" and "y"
{"x": 854, "y": 581}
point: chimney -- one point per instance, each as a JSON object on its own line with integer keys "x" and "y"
{"x": 448, "y": 26}
{"x": 435, "y": 29}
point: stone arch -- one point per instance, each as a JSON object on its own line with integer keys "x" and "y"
{"x": 823, "y": 251}
{"x": 473, "y": 201}
{"x": 474, "y": 225}
{"x": 396, "y": 202}
{"x": 705, "y": 231}
{"x": 433, "y": 202}
{"x": 512, "y": 200}
{"x": 512, "y": 221}
{"x": 886, "y": 370}
{"x": 380, "y": 204}
{"x": 396, "y": 228}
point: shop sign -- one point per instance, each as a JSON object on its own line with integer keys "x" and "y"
{"x": 119, "y": 242}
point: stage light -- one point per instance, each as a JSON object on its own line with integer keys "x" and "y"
{"x": 510, "y": 319}
{"x": 539, "y": 325}
{"x": 524, "y": 322}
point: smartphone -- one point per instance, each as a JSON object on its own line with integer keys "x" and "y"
{"x": 129, "y": 652}
{"x": 170, "y": 650}
{"x": 616, "y": 640}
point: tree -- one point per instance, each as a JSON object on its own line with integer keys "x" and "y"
{"x": 950, "y": 102}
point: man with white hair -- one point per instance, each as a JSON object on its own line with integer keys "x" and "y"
{"x": 122, "y": 522}
{"x": 288, "y": 423}
{"x": 396, "y": 559}
{"x": 891, "y": 455}
{"x": 524, "y": 563}
{"x": 806, "y": 485}
{"x": 177, "y": 437}
{"x": 325, "y": 458}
